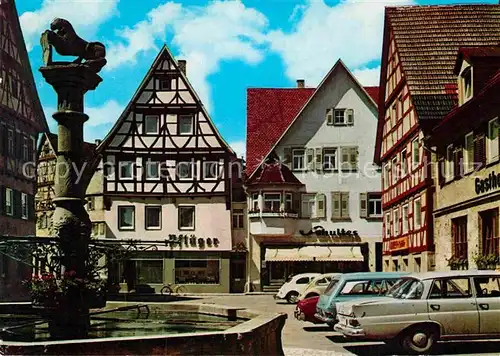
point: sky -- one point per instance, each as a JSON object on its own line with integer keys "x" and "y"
{"x": 229, "y": 46}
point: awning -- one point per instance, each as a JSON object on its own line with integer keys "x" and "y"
{"x": 315, "y": 253}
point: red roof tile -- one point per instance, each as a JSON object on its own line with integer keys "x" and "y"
{"x": 273, "y": 171}
{"x": 373, "y": 92}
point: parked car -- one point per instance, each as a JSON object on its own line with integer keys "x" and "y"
{"x": 317, "y": 286}
{"x": 351, "y": 286}
{"x": 424, "y": 308}
{"x": 305, "y": 310}
{"x": 292, "y": 288}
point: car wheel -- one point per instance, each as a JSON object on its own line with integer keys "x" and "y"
{"x": 292, "y": 297}
{"x": 418, "y": 340}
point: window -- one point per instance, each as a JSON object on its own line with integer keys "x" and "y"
{"x": 151, "y": 124}
{"x": 126, "y": 169}
{"x": 394, "y": 170}
{"x": 388, "y": 225}
{"x": 238, "y": 219}
{"x": 404, "y": 163}
{"x": 210, "y": 170}
{"x": 9, "y": 201}
{"x": 396, "y": 222}
{"x": 24, "y": 206}
{"x": 152, "y": 170}
{"x": 197, "y": 271}
{"x": 298, "y": 159}
{"x": 255, "y": 201}
{"x": 343, "y": 117}
{"x": 374, "y": 205}
{"x": 449, "y": 171}
{"x": 349, "y": 158}
{"x": 387, "y": 169}
{"x": 340, "y": 206}
{"x": 451, "y": 288}
{"x": 469, "y": 153}
{"x": 288, "y": 202}
{"x": 185, "y": 170}
{"x": 417, "y": 214}
{"x": 401, "y": 106}
{"x": 487, "y": 287}
{"x": 415, "y": 153}
{"x": 25, "y": 149}
{"x": 126, "y": 217}
{"x": 10, "y": 142}
{"x": 186, "y": 217}
{"x": 330, "y": 158}
{"x": 467, "y": 83}
{"x": 302, "y": 280}
{"x": 405, "y": 219}
{"x": 361, "y": 288}
{"x": 90, "y": 203}
{"x": 148, "y": 271}
{"x": 153, "y": 217}
{"x": 488, "y": 227}
{"x": 308, "y": 209}
{"x": 185, "y": 124}
{"x": 459, "y": 237}
{"x": 272, "y": 202}
{"x": 165, "y": 84}
{"x": 493, "y": 140}
{"x": 15, "y": 87}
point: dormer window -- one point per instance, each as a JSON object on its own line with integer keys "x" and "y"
{"x": 466, "y": 78}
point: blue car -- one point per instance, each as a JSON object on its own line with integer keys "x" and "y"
{"x": 351, "y": 286}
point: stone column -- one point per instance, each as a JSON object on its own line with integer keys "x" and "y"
{"x": 71, "y": 223}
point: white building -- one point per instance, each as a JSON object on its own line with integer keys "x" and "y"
{"x": 314, "y": 193}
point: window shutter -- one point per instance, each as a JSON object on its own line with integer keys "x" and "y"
{"x": 345, "y": 205}
{"x": 479, "y": 152}
{"x": 363, "y": 205}
{"x": 296, "y": 202}
{"x": 441, "y": 175}
{"x": 319, "y": 159}
{"x": 336, "y": 201}
{"x": 320, "y": 205}
{"x": 17, "y": 204}
{"x": 349, "y": 116}
{"x": 354, "y": 158}
{"x": 345, "y": 158}
{"x": 458, "y": 163}
{"x": 31, "y": 208}
{"x": 287, "y": 156}
{"x": 329, "y": 116}
{"x": 310, "y": 159}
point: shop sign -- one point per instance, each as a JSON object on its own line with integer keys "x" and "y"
{"x": 320, "y": 231}
{"x": 191, "y": 241}
{"x": 489, "y": 183}
{"x": 398, "y": 244}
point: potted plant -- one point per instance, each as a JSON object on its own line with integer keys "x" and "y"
{"x": 489, "y": 261}
{"x": 457, "y": 263}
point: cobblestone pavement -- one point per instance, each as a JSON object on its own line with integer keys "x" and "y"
{"x": 306, "y": 339}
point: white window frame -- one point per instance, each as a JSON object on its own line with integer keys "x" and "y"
{"x": 255, "y": 202}
{"x": 9, "y": 201}
{"x": 406, "y": 223}
{"x": 147, "y": 167}
{"x": 179, "y": 217}
{"x": 24, "y": 206}
{"x": 339, "y": 117}
{"x": 493, "y": 147}
{"x": 387, "y": 170}
{"x": 404, "y": 163}
{"x": 288, "y": 202}
{"x": 394, "y": 166}
{"x": 120, "y": 208}
{"x": 191, "y": 173}
{"x": 395, "y": 224}
{"x": 275, "y": 203}
{"x": 310, "y": 200}
{"x": 466, "y": 95}
{"x": 330, "y": 156}
{"x": 415, "y": 153}
{"x": 300, "y": 158}
{"x": 121, "y": 164}
{"x": 449, "y": 166}
{"x": 206, "y": 168}
{"x": 90, "y": 203}
{"x": 148, "y": 208}
{"x": 468, "y": 155}
{"x": 374, "y": 200}
{"x": 417, "y": 220}
{"x": 181, "y": 123}
{"x": 238, "y": 216}
{"x": 388, "y": 224}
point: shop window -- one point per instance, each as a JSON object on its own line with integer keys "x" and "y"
{"x": 126, "y": 217}
{"x": 149, "y": 271}
{"x": 489, "y": 232}
{"x": 493, "y": 140}
{"x": 185, "y": 124}
{"x": 196, "y": 271}
{"x": 186, "y": 217}
{"x": 153, "y": 217}
{"x": 238, "y": 218}
{"x": 272, "y": 202}
{"x": 151, "y": 124}
{"x": 459, "y": 237}
{"x": 298, "y": 159}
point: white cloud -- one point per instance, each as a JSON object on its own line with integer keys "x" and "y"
{"x": 239, "y": 147}
{"x": 84, "y": 15}
{"x": 368, "y": 76}
{"x": 204, "y": 36}
{"x": 351, "y": 30}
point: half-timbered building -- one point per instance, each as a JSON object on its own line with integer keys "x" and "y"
{"x": 313, "y": 190}
{"x": 21, "y": 120}
{"x": 166, "y": 181}
{"x": 417, "y": 89}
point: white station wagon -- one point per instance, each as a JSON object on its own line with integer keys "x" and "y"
{"x": 421, "y": 309}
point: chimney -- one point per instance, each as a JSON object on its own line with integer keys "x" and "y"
{"x": 301, "y": 83}
{"x": 97, "y": 142}
{"x": 182, "y": 65}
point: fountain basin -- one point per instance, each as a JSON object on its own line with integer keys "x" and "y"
{"x": 239, "y": 331}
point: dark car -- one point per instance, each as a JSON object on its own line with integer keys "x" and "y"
{"x": 305, "y": 310}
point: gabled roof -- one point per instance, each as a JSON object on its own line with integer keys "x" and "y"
{"x": 427, "y": 39}
{"x": 164, "y": 52}
{"x": 490, "y": 53}
{"x": 273, "y": 172}
{"x": 272, "y": 111}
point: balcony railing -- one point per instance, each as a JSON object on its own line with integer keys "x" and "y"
{"x": 273, "y": 214}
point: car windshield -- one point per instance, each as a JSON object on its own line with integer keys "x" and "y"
{"x": 406, "y": 288}
{"x": 331, "y": 286}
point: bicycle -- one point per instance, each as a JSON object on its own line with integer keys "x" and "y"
{"x": 169, "y": 289}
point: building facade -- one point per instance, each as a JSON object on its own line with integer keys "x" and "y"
{"x": 165, "y": 175}
{"x": 467, "y": 144}
{"x": 418, "y": 88}
{"x": 314, "y": 201}
{"x": 21, "y": 120}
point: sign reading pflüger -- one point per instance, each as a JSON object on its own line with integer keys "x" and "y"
{"x": 489, "y": 183}
{"x": 320, "y": 231}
